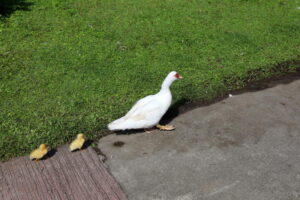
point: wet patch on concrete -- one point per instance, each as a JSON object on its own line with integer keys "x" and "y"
{"x": 118, "y": 144}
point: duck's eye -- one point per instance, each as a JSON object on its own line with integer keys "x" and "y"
{"x": 178, "y": 76}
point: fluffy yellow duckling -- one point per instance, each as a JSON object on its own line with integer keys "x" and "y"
{"x": 77, "y": 143}
{"x": 39, "y": 153}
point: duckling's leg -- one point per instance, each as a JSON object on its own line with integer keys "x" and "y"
{"x": 165, "y": 127}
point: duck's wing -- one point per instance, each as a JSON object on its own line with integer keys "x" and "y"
{"x": 145, "y": 113}
{"x": 150, "y": 111}
{"x": 140, "y": 103}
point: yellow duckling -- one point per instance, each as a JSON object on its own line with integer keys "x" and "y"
{"x": 77, "y": 143}
{"x": 39, "y": 153}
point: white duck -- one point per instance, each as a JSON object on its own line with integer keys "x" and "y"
{"x": 147, "y": 112}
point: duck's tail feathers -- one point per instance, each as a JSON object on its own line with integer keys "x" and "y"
{"x": 117, "y": 125}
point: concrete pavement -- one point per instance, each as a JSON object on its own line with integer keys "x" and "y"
{"x": 244, "y": 147}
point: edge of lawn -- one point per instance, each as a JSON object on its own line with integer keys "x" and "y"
{"x": 258, "y": 79}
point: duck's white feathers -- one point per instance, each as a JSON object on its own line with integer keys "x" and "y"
{"x": 140, "y": 103}
{"x": 145, "y": 113}
{"x": 148, "y": 111}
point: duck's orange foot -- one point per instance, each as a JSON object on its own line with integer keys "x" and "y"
{"x": 165, "y": 127}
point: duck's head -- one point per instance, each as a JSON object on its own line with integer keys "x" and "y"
{"x": 43, "y": 147}
{"x": 172, "y": 76}
{"x": 80, "y": 136}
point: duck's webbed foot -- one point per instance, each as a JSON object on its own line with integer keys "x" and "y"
{"x": 165, "y": 127}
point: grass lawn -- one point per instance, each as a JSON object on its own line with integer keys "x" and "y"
{"x": 73, "y": 66}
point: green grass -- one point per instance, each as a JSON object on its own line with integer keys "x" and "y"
{"x": 73, "y": 66}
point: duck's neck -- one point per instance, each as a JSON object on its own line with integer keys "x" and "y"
{"x": 166, "y": 84}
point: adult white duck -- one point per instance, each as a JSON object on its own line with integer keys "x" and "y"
{"x": 147, "y": 112}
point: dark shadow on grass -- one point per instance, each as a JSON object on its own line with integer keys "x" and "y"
{"x": 7, "y": 7}
{"x": 282, "y": 74}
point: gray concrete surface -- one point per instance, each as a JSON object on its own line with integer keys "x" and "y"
{"x": 246, "y": 147}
